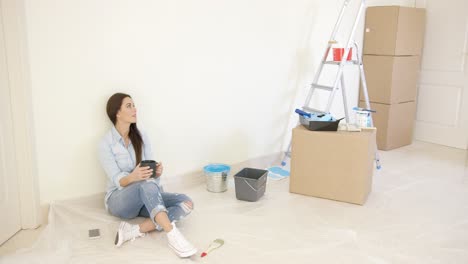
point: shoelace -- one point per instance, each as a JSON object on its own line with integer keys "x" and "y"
{"x": 181, "y": 241}
{"x": 135, "y": 233}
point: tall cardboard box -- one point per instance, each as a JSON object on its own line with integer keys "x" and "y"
{"x": 394, "y": 123}
{"x": 394, "y": 30}
{"x": 332, "y": 165}
{"x": 391, "y": 79}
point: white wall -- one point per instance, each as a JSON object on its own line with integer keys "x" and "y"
{"x": 214, "y": 81}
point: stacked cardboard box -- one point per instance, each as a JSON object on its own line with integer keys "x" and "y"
{"x": 332, "y": 165}
{"x": 393, "y": 42}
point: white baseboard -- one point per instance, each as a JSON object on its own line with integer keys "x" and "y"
{"x": 194, "y": 178}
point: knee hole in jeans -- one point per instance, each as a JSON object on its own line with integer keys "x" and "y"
{"x": 187, "y": 206}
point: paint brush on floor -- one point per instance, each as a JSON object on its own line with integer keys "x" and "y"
{"x": 214, "y": 245}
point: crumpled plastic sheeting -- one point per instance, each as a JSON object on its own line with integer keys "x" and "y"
{"x": 416, "y": 213}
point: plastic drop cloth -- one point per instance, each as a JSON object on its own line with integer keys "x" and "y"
{"x": 416, "y": 213}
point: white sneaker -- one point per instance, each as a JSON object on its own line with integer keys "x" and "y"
{"x": 179, "y": 244}
{"x": 127, "y": 232}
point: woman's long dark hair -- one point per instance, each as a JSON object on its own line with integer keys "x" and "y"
{"x": 113, "y": 106}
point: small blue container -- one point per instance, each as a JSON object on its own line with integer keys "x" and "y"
{"x": 216, "y": 177}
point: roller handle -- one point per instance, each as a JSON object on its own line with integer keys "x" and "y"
{"x": 302, "y": 113}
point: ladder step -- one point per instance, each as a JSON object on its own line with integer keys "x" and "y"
{"x": 352, "y": 62}
{"x": 312, "y": 110}
{"x": 323, "y": 87}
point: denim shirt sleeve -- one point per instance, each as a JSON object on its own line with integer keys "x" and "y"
{"x": 109, "y": 164}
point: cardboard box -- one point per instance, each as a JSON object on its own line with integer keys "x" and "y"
{"x": 394, "y": 30}
{"x": 395, "y": 124}
{"x": 390, "y": 79}
{"x": 332, "y": 165}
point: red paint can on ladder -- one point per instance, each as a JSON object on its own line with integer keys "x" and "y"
{"x": 339, "y": 52}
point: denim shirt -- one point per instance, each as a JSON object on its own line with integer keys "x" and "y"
{"x": 119, "y": 161}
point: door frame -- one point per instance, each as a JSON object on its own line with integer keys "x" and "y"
{"x": 14, "y": 27}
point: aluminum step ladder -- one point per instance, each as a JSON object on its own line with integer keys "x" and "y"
{"x": 339, "y": 78}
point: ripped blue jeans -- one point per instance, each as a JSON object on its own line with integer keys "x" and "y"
{"x": 146, "y": 199}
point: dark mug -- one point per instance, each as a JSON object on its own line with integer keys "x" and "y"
{"x": 149, "y": 163}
